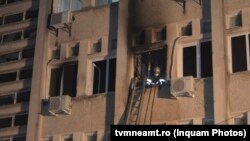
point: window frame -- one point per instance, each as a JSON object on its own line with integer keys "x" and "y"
{"x": 229, "y": 51}
{"x": 180, "y": 62}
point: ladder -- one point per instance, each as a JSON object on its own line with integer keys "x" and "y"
{"x": 134, "y": 102}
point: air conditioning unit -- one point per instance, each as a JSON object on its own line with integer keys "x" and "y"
{"x": 60, "y": 105}
{"x": 60, "y": 20}
{"x": 183, "y": 87}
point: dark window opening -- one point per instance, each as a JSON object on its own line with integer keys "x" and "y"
{"x": 21, "y": 120}
{"x": 160, "y": 35}
{"x": 56, "y": 54}
{"x": 5, "y": 122}
{"x": 99, "y": 82}
{"x": 236, "y": 20}
{"x": 140, "y": 38}
{"x": 151, "y": 60}
{"x": 1, "y": 20}
{"x": 25, "y": 74}
{"x": 9, "y": 57}
{"x": 206, "y": 27}
{"x": 11, "y": 1}
{"x": 8, "y": 77}
{"x": 28, "y": 53}
{"x": 68, "y": 74}
{"x": 31, "y": 14}
{"x": 19, "y": 139}
{"x": 75, "y": 50}
{"x": 241, "y": 120}
{"x": 92, "y": 137}
{"x": 7, "y": 100}
{"x": 68, "y": 138}
{"x": 187, "y": 30}
{"x": 189, "y": 61}
{"x": 112, "y": 75}
{"x": 23, "y": 97}
{"x": 206, "y": 59}
{"x": 239, "y": 58}
{"x": 29, "y": 33}
{"x": 13, "y": 18}
{"x": 12, "y": 37}
{"x": 97, "y": 47}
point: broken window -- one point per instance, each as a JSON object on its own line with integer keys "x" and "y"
{"x": 23, "y": 138}
{"x": 9, "y": 57}
{"x": 63, "y": 80}
{"x": 5, "y": 122}
{"x": 31, "y": 14}
{"x": 21, "y": 120}
{"x": 8, "y": 77}
{"x": 102, "y": 81}
{"x": 25, "y": 74}
{"x": 152, "y": 60}
{"x": 23, "y": 96}
{"x": 197, "y": 60}
{"x": 7, "y": 99}
{"x": 13, "y": 18}
{"x": 239, "y": 53}
{"x": 12, "y": 37}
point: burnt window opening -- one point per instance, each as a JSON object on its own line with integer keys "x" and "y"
{"x": 64, "y": 79}
{"x": 206, "y": 27}
{"x": 19, "y": 138}
{"x": 56, "y": 54}
{"x": 235, "y": 21}
{"x": 7, "y": 99}
{"x": 152, "y": 60}
{"x": 12, "y": 37}
{"x": 239, "y": 54}
{"x": 31, "y": 14}
{"x": 25, "y": 74}
{"x": 5, "y": 122}
{"x": 140, "y": 38}
{"x": 13, "y": 18}
{"x": 75, "y": 50}
{"x": 187, "y": 30}
{"x": 102, "y": 83}
{"x": 21, "y": 120}
{"x": 23, "y": 96}
{"x": 9, "y": 57}
{"x": 8, "y": 77}
{"x": 198, "y": 64}
{"x": 28, "y": 53}
{"x": 159, "y": 34}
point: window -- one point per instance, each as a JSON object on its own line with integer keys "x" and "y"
{"x": 140, "y": 38}
{"x": 72, "y": 5}
{"x": 13, "y": 18}
{"x": 92, "y": 137}
{"x": 97, "y": 46}
{"x": 48, "y": 139}
{"x": 25, "y": 74}
{"x": 7, "y": 99}
{"x": 63, "y": 80}
{"x": 31, "y": 14}
{"x": 241, "y": 120}
{"x": 197, "y": 60}
{"x": 188, "y": 122}
{"x": 2, "y": 2}
{"x": 29, "y": 33}
{"x": 28, "y": 53}
{"x": 101, "y": 2}
{"x": 5, "y": 122}
{"x": 186, "y": 30}
{"x": 240, "y": 53}
{"x": 11, "y": 1}
{"x": 8, "y": 77}
{"x": 23, "y": 96}
{"x": 151, "y": 60}
{"x": 12, "y": 37}
{"x": 9, "y": 57}
{"x": 75, "y": 50}
{"x": 68, "y": 138}
{"x": 21, "y": 120}
{"x": 235, "y": 20}
{"x": 159, "y": 34}
{"x": 19, "y": 138}
{"x": 104, "y": 76}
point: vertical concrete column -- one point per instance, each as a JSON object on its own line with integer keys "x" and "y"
{"x": 38, "y": 85}
{"x": 122, "y": 68}
{"x": 221, "y": 108}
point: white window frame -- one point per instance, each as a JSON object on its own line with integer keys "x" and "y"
{"x": 229, "y": 52}
{"x": 91, "y": 69}
{"x": 198, "y": 57}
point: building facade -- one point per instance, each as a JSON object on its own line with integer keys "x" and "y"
{"x": 71, "y": 68}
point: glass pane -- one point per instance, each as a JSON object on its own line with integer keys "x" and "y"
{"x": 76, "y": 5}
{"x": 63, "y": 5}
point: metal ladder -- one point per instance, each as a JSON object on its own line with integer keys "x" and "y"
{"x": 134, "y": 102}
